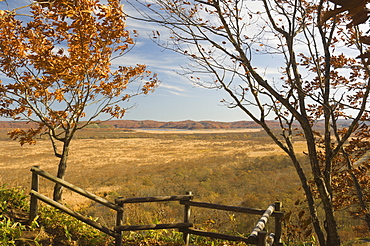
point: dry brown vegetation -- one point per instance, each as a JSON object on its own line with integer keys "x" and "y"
{"x": 236, "y": 167}
{"x": 100, "y": 156}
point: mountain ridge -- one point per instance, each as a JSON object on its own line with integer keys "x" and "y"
{"x": 152, "y": 124}
{"x": 185, "y": 124}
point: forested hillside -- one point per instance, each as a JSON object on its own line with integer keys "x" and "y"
{"x": 148, "y": 124}
{"x": 145, "y": 124}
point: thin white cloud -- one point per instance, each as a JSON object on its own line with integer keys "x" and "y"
{"x": 157, "y": 61}
{"x": 177, "y": 94}
{"x": 173, "y": 87}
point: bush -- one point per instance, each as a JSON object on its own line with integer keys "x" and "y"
{"x": 66, "y": 230}
{"x": 10, "y": 231}
{"x": 11, "y": 200}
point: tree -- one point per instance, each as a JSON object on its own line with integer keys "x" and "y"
{"x": 60, "y": 70}
{"x": 351, "y": 179}
{"x": 320, "y": 75}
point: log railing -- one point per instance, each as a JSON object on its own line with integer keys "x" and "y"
{"x": 35, "y": 196}
{"x": 258, "y": 236}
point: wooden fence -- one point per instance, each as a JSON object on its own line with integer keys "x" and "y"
{"x": 258, "y": 236}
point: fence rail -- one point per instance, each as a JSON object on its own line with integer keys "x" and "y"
{"x": 35, "y": 196}
{"x": 258, "y": 236}
{"x": 153, "y": 227}
{"x": 229, "y": 208}
{"x": 74, "y": 214}
{"x": 121, "y": 200}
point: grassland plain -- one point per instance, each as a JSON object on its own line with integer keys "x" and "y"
{"x": 232, "y": 167}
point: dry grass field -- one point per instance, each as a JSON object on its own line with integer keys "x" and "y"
{"x": 143, "y": 163}
{"x": 232, "y": 167}
{"x": 98, "y": 164}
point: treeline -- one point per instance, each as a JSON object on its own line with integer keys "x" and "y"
{"x": 144, "y": 124}
{"x": 17, "y": 124}
{"x": 187, "y": 124}
{"x": 148, "y": 124}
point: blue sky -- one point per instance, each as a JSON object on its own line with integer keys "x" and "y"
{"x": 176, "y": 98}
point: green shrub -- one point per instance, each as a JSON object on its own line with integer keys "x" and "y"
{"x": 10, "y": 231}
{"x": 61, "y": 229}
{"x": 66, "y": 230}
{"x": 12, "y": 198}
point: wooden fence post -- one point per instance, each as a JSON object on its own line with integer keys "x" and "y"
{"x": 278, "y": 229}
{"x": 119, "y": 221}
{"x": 34, "y": 201}
{"x": 186, "y": 235}
{"x": 262, "y": 238}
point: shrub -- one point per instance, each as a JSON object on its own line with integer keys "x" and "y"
{"x": 11, "y": 200}
{"x": 10, "y": 231}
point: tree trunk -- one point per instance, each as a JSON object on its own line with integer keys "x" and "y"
{"x": 330, "y": 224}
{"x": 367, "y": 220}
{"x": 310, "y": 198}
{"x": 58, "y": 189}
{"x": 331, "y": 229}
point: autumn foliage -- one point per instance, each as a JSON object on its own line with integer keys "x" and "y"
{"x": 58, "y": 62}
{"x": 356, "y": 10}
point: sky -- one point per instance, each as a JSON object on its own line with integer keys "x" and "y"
{"x": 176, "y": 98}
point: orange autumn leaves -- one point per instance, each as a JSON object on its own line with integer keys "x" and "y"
{"x": 356, "y": 10}
{"x": 60, "y": 62}
{"x": 358, "y": 13}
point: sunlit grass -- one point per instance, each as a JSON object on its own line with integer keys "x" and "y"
{"x": 241, "y": 169}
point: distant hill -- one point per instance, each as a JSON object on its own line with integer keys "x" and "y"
{"x": 151, "y": 124}
{"x": 187, "y": 124}
{"x": 17, "y": 124}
